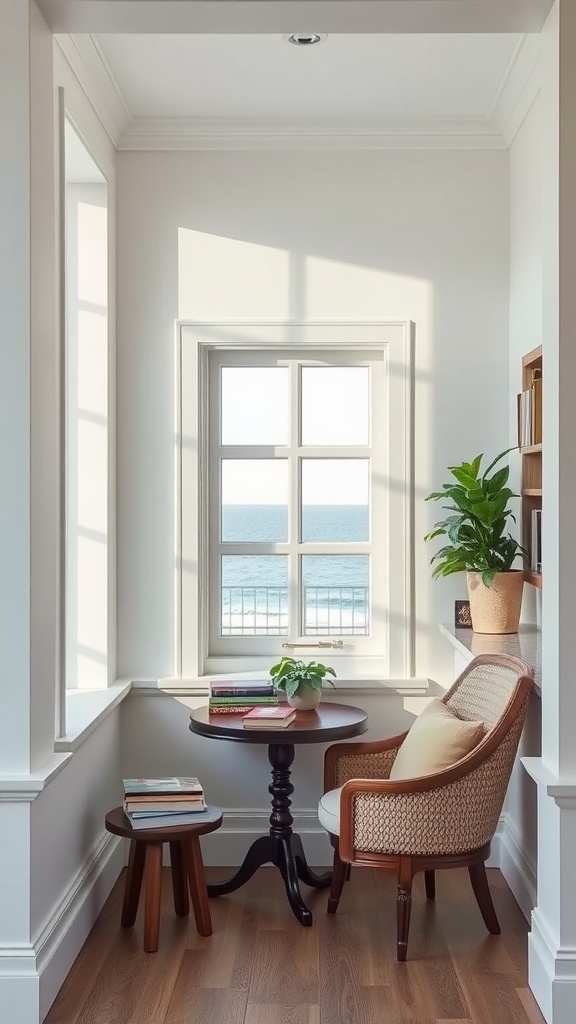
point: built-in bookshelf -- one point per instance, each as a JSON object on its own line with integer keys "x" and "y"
{"x": 530, "y": 444}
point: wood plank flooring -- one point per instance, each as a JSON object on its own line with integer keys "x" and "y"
{"x": 261, "y": 967}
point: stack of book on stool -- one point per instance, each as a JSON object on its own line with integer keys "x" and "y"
{"x": 239, "y": 698}
{"x": 160, "y": 803}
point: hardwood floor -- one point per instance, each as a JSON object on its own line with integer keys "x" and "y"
{"x": 261, "y": 967}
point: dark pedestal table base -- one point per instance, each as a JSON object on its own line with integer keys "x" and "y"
{"x": 281, "y": 847}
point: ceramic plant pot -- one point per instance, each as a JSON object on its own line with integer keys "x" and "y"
{"x": 305, "y": 700}
{"x": 495, "y": 609}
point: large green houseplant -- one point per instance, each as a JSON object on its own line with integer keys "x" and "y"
{"x": 480, "y": 542}
{"x": 301, "y": 681}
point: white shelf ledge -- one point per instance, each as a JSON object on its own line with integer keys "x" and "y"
{"x": 525, "y": 644}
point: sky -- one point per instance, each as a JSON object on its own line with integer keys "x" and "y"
{"x": 335, "y": 411}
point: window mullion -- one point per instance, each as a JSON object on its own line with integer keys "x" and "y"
{"x": 294, "y": 526}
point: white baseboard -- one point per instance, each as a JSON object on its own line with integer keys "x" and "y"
{"x": 516, "y": 865}
{"x": 31, "y": 974}
{"x": 242, "y": 825}
{"x": 228, "y": 846}
{"x": 63, "y": 936}
{"x": 551, "y": 973}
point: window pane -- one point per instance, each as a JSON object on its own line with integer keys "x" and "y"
{"x": 335, "y": 499}
{"x": 255, "y": 404}
{"x": 335, "y": 595}
{"x": 254, "y": 500}
{"x": 335, "y": 405}
{"x": 254, "y": 597}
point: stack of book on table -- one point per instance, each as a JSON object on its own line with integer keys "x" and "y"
{"x": 269, "y": 718}
{"x": 160, "y": 803}
{"x": 239, "y": 698}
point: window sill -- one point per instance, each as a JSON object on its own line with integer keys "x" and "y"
{"x": 200, "y": 687}
{"x": 85, "y": 710}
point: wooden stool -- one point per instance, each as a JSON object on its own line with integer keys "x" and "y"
{"x": 146, "y": 858}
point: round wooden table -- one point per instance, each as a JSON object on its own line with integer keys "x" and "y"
{"x": 282, "y": 847}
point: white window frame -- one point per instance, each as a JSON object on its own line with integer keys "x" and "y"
{"x": 196, "y": 343}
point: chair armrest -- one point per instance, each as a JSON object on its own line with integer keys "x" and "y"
{"x": 368, "y": 760}
{"x": 450, "y": 812}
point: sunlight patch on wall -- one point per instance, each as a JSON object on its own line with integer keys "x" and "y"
{"x": 227, "y": 278}
{"x": 87, "y": 441}
{"x": 347, "y": 291}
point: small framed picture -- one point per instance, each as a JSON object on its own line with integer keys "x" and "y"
{"x": 462, "y": 618}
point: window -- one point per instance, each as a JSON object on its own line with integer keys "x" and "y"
{"x": 87, "y": 419}
{"x": 291, "y": 533}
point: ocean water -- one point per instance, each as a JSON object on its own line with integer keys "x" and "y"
{"x": 254, "y": 587}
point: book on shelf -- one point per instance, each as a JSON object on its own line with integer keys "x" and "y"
{"x": 529, "y": 413}
{"x": 170, "y": 820}
{"x": 536, "y": 400}
{"x": 536, "y": 540}
{"x": 269, "y": 718}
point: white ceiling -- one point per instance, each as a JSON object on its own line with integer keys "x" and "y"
{"x": 277, "y": 16}
{"x": 381, "y": 76}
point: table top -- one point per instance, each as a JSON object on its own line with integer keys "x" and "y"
{"x": 117, "y": 822}
{"x": 327, "y": 723}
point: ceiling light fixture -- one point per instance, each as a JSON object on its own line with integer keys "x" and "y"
{"x": 306, "y": 38}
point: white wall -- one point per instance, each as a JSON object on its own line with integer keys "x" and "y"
{"x": 351, "y": 236}
{"x": 525, "y": 279}
{"x": 73, "y": 863}
{"x": 410, "y": 235}
{"x": 525, "y": 334}
{"x": 525, "y": 246}
{"x": 58, "y": 865}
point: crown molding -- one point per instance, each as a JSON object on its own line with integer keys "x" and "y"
{"x": 519, "y": 89}
{"x": 260, "y": 133}
{"x": 93, "y": 73}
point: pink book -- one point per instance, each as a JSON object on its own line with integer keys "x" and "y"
{"x": 272, "y": 717}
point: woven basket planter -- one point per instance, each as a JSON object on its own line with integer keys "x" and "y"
{"x": 495, "y": 609}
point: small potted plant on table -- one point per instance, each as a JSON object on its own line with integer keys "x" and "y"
{"x": 480, "y": 544}
{"x": 301, "y": 681}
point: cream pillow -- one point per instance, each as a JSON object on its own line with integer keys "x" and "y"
{"x": 436, "y": 740}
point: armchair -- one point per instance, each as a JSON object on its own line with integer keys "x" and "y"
{"x": 442, "y": 820}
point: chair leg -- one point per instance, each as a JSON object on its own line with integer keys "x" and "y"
{"x": 483, "y": 896}
{"x": 133, "y": 883}
{"x": 348, "y": 872}
{"x": 339, "y": 875}
{"x": 403, "y": 907}
{"x": 153, "y": 875}
{"x": 179, "y": 881}
{"x": 430, "y": 882}
{"x": 197, "y": 881}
